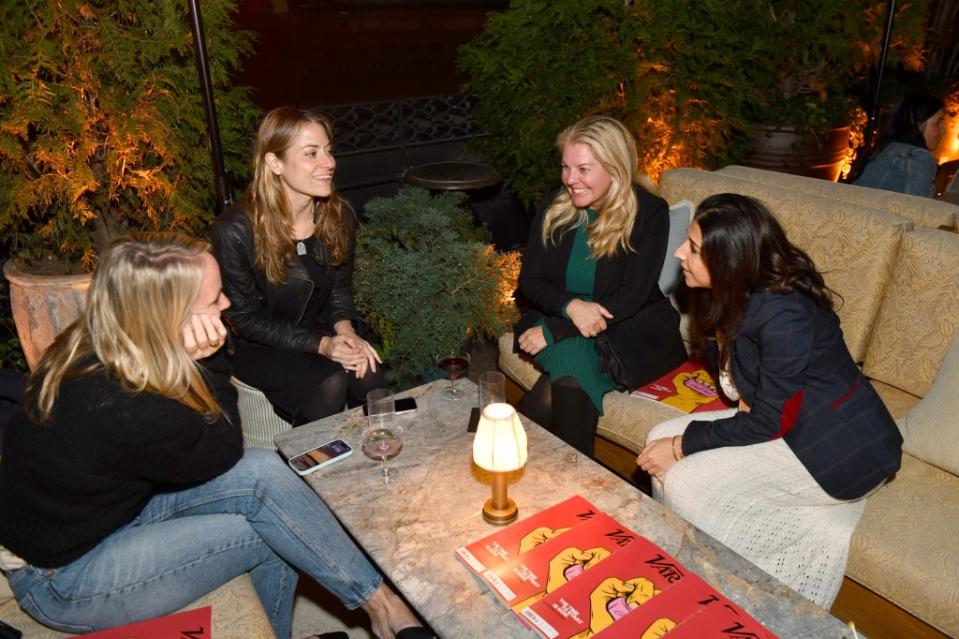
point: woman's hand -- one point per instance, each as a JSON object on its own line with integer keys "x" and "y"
{"x": 658, "y": 456}
{"x": 202, "y": 335}
{"x": 589, "y": 317}
{"x": 532, "y": 340}
{"x": 350, "y": 350}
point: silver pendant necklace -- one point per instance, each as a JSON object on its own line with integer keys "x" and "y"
{"x": 300, "y": 246}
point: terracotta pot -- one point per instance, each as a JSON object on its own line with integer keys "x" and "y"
{"x": 43, "y": 305}
{"x": 780, "y": 148}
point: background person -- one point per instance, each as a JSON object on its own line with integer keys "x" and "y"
{"x": 591, "y": 269}
{"x": 124, "y": 484}
{"x": 904, "y": 162}
{"x": 782, "y": 480}
{"x": 286, "y": 253}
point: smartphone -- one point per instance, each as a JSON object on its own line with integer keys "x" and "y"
{"x": 316, "y": 458}
{"x": 403, "y": 406}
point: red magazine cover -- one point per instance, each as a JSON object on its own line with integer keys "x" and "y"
{"x": 664, "y": 613}
{"x": 724, "y": 621}
{"x": 689, "y": 387}
{"x": 512, "y": 541}
{"x": 631, "y": 579}
{"x": 545, "y": 568}
{"x": 192, "y": 624}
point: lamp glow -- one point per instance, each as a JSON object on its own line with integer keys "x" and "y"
{"x": 500, "y": 447}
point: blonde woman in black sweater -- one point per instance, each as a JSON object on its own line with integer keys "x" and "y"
{"x": 124, "y": 486}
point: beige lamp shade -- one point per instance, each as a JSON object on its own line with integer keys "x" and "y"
{"x": 500, "y": 443}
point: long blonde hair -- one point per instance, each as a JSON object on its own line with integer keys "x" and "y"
{"x": 269, "y": 208}
{"x": 613, "y": 146}
{"x": 142, "y": 293}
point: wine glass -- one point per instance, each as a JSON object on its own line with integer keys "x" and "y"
{"x": 454, "y": 364}
{"x": 383, "y": 440}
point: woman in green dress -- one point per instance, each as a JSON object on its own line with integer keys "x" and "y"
{"x": 590, "y": 277}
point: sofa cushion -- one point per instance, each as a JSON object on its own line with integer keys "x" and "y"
{"x": 237, "y": 613}
{"x": 906, "y": 547}
{"x": 260, "y": 424}
{"x": 932, "y": 428}
{"x": 519, "y": 368}
{"x": 627, "y": 419}
{"x": 680, "y": 215}
{"x": 897, "y": 401}
{"x": 923, "y": 211}
{"x": 854, "y": 246}
{"x": 919, "y": 312}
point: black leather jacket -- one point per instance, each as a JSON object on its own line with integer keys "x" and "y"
{"x": 270, "y": 315}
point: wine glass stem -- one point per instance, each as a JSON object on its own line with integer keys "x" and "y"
{"x": 453, "y": 387}
{"x": 385, "y": 471}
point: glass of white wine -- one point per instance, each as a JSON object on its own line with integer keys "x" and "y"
{"x": 383, "y": 437}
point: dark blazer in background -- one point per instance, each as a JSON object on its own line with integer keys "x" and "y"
{"x": 791, "y": 366}
{"x": 644, "y": 330}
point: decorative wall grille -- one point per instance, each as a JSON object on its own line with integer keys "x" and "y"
{"x": 364, "y": 127}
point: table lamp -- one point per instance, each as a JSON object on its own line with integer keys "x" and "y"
{"x": 499, "y": 447}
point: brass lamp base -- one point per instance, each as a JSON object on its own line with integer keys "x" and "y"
{"x": 500, "y": 516}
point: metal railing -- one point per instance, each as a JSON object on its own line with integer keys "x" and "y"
{"x": 370, "y": 127}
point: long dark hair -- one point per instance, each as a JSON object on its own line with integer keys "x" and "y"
{"x": 745, "y": 251}
{"x": 907, "y": 121}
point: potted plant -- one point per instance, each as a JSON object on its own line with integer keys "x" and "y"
{"x": 689, "y": 79}
{"x": 103, "y": 128}
{"x": 805, "y": 104}
{"x": 427, "y": 281}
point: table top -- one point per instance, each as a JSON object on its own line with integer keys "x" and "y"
{"x": 411, "y": 527}
{"x": 452, "y": 176}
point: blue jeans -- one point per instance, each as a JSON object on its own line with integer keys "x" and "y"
{"x": 258, "y": 517}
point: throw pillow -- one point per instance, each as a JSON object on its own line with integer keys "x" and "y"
{"x": 932, "y": 433}
{"x": 680, "y": 215}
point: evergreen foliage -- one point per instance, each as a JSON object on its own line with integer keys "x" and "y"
{"x": 689, "y": 77}
{"x": 103, "y": 126}
{"x": 426, "y": 281}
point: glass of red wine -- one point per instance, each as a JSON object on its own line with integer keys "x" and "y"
{"x": 455, "y": 365}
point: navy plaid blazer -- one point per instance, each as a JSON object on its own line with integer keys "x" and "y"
{"x": 792, "y": 368}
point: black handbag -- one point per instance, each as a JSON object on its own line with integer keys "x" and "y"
{"x": 609, "y": 362}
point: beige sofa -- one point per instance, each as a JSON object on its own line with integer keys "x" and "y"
{"x": 896, "y": 267}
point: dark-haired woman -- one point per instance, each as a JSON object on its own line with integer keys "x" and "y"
{"x": 782, "y": 480}
{"x": 286, "y": 253}
{"x": 905, "y": 162}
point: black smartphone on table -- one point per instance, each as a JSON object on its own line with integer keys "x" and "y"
{"x": 403, "y": 406}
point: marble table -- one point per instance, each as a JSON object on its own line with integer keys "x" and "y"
{"x": 411, "y": 527}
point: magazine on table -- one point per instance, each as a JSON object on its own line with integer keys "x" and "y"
{"x": 689, "y": 387}
{"x": 572, "y": 572}
{"x": 508, "y": 543}
{"x": 547, "y": 566}
{"x": 680, "y": 604}
{"x": 606, "y": 593}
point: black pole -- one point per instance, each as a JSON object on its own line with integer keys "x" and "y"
{"x": 223, "y": 196}
{"x": 874, "y": 109}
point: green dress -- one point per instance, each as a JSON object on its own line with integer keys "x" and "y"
{"x": 575, "y": 357}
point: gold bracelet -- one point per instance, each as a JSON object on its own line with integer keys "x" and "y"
{"x": 677, "y": 451}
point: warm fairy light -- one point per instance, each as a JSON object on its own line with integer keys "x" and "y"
{"x": 507, "y": 266}
{"x": 857, "y": 137}
{"x": 948, "y": 149}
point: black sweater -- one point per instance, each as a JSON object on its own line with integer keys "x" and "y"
{"x": 67, "y": 484}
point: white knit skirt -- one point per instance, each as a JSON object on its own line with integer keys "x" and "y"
{"x": 761, "y": 501}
